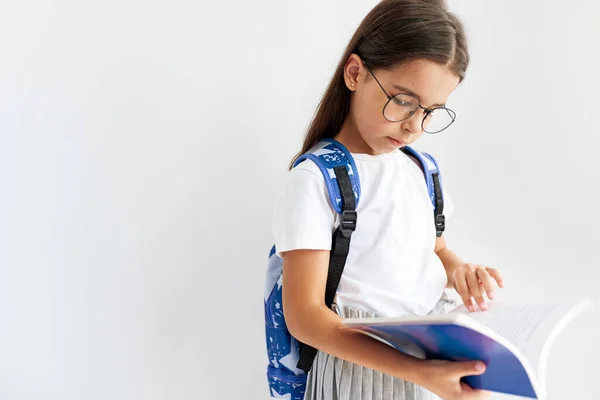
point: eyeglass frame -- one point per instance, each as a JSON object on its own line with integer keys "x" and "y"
{"x": 428, "y": 111}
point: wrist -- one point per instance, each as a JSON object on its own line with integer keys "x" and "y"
{"x": 450, "y": 275}
{"x": 417, "y": 372}
{"x": 451, "y": 262}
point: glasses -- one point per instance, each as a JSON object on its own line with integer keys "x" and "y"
{"x": 402, "y": 106}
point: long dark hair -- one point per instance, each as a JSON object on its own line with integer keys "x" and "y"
{"x": 394, "y": 32}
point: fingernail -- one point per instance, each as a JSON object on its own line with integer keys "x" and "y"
{"x": 480, "y": 366}
{"x": 471, "y": 308}
{"x": 491, "y": 295}
{"x": 483, "y": 306}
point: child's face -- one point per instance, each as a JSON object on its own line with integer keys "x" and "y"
{"x": 430, "y": 83}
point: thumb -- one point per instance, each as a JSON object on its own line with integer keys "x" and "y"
{"x": 466, "y": 368}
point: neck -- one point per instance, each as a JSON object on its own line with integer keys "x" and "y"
{"x": 350, "y": 137}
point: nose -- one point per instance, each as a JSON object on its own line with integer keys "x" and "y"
{"x": 413, "y": 124}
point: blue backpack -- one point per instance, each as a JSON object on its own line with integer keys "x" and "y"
{"x": 289, "y": 360}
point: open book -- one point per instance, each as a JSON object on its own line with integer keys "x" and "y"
{"x": 512, "y": 339}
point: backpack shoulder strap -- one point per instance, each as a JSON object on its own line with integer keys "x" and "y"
{"x": 341, "y": 178}
{"x": 329, "y": 154}
{"x": 433, "y": 179}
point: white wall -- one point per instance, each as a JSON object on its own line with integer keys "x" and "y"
{"x": 142, "y": 144}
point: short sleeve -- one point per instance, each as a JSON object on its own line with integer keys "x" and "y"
{"x": 303, "y": 218}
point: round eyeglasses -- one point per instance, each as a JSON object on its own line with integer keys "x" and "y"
{"x": 403, "y": 105}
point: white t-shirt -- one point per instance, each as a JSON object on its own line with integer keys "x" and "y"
{"x": 391, "y": 268}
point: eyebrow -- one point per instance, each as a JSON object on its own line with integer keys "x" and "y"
{"x": 408, "y": 91}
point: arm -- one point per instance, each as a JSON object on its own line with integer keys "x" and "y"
{"x": 310, "y": 321}
{"x": 449, "y": 259}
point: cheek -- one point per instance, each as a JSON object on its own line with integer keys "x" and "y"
{"x": 368, "y": 116}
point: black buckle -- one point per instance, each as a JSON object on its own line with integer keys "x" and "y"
{"x": 348, "y": 223}
{"x": 440, "y": 223}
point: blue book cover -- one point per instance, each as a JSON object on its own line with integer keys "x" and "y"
{"x": 512, "y": 339}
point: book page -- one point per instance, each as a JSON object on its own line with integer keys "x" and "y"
{"x": 527, "y": 326}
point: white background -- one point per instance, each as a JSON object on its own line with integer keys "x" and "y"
{"x": 142, "y": 144}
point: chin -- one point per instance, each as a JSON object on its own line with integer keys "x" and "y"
{"x": 385, "y": 150}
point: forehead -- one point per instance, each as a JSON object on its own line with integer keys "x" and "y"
{"x": 430, "y": 81}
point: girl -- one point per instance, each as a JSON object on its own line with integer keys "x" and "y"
{"x": 390, "y": 86}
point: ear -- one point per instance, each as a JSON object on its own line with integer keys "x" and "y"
{"x": 353, "y": 72}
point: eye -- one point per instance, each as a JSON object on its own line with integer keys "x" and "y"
{"x": 401, "y": 102}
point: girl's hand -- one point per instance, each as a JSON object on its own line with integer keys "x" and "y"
{"x": 473, "y": 281}
{"x": 443, "y": 379}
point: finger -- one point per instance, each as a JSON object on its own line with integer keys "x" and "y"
{"x": 473, "y": 282}
{"x": 468, "y": 301}
{"x": 462, "y": 288}
{"x": 496, "y": 275}
{"x": 486, "y": 282}
{"x": 469, "y": 368}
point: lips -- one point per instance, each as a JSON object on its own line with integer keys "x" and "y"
{"x": 395, "y": 142}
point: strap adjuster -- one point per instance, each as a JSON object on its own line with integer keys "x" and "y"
{"x": 348, "y": 222}
{"x": 440, "y": 224}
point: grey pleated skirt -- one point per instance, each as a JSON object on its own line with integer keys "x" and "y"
{"x": 331, "y": 378}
